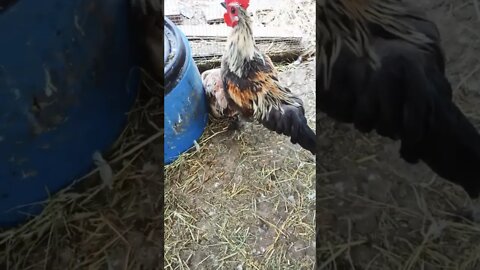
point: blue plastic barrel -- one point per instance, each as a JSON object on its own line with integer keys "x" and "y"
{"x": 66, "y": 84}
{"x": 186, "y": 111}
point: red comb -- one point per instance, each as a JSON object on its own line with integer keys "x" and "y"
{"x": 243, "y": 3}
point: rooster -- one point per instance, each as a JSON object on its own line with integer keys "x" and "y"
{"x": 381, "y": 67}
{"x": 251, "y": 84}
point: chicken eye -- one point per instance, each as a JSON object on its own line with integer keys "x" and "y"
{"x": 232, "y": 10}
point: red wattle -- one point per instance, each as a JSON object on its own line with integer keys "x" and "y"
{"x": 228, "y": 19}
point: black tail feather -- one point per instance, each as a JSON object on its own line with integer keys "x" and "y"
{"x": 291, "y": 122}
{"x": 452, "y": 148}
{"x": 437, "y": 132}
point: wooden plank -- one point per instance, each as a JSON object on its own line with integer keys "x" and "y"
{"x": 208, "y": 54}
{"x": 220, "y": 32}
{"x": 205, "y": 64}
{"x": 206, "y": 51}
{"x": 176, "y": 19}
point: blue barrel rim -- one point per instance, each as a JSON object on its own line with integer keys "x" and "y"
{"x": 173, "y": 44}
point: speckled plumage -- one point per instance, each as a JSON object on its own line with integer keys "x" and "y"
{"x": 252, "y": 87}
{"x": 217, "y": 101}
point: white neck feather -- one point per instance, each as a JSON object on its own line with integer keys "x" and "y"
{"x": 240, "y": 46}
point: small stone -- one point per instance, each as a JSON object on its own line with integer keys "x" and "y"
{"x": 291, "y": 199}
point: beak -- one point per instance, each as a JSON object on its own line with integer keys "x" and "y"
{"x": 223, "y": 5}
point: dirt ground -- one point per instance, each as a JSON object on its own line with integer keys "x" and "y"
{"x": 376, "y": 211}
{"x": 246, "y": 198}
